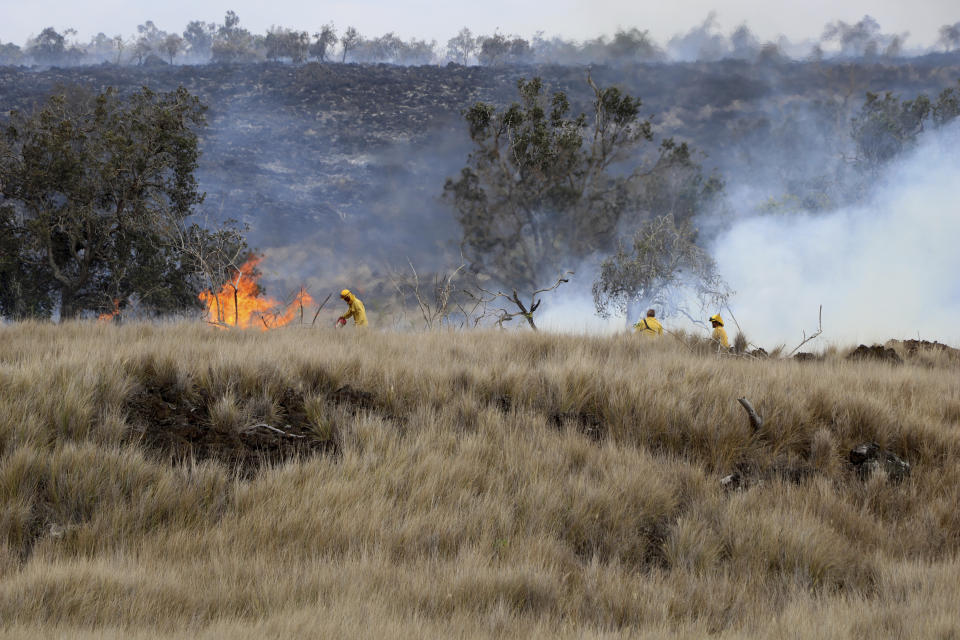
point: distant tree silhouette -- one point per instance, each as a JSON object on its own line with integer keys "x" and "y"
{"x": 323, "y": 43}
{"x": 350, "y": 40}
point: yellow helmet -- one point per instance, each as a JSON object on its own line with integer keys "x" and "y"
{"x": 716, "y": 318}
{"x": 345, "y": 293}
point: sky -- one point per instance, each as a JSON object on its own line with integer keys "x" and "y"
{"x": 441, "y": 19}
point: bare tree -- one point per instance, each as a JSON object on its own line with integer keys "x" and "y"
{"x": 813, "y": 335}
{"x": 486, "y": 299}
{"x": 215, "y": 253}
{"x": 434, "y": 299}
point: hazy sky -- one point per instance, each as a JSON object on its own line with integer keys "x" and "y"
{"x": 440, "y": 19}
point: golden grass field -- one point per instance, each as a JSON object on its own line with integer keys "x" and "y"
{"x": 468, "y": 484}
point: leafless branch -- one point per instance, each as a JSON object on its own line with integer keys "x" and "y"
{"x": 434, "y": 305}
{"x": 814, "y": 335}
{"x": 274, "y": 429}
{"x": 320, "y": 308}
{"x": 526, "y": 311}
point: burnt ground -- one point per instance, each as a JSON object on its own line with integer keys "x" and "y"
{"x": 176, "y": 427}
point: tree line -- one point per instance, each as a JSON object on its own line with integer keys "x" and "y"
{"x": 230, "y": 42}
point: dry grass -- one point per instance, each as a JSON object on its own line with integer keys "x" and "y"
{"x": 475, "y": 484}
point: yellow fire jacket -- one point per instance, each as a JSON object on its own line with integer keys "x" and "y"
{"x": 649, "y": 327}
{"x": 720, "y": 335}
{"x": 356, "y": 311}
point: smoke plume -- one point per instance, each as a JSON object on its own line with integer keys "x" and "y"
{"x": 888, "y": 268}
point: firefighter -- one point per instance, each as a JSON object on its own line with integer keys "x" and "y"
{"x": 355, "y": 311}
{"x": 649, "y": 326}
{"x": 719, "y": 333}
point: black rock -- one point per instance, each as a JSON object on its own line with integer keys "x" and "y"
{"x": 876, "y": 352}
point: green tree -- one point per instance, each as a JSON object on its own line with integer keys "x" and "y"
{"x": 674, "y": 185}
{"x": 538, "y": 191}
{"x": 947, "y": 107}
{"x": 24, "y": 290}
{"x": 885, "y": 126}
{"x": 89, "y": 186}
{"x": 665, "y": 268}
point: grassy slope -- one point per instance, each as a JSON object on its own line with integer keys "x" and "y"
{"x": 497, "y": 484}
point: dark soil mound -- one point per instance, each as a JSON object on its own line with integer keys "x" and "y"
{"x": 876, "y": 352}
{"x": 914, "y": 347}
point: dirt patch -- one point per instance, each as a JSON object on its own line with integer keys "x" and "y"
{"x": 876, "y": 352}
{"x": 177, "y": 428}
{"x": 355, "y": 399}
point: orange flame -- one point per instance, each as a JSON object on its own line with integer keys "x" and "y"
{"x": 239, "y": 302}
{"x": 110, "y": 315}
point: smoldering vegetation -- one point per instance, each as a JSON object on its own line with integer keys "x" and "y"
{"x": 480, "y": 483}
{"x": 882, "y": 267}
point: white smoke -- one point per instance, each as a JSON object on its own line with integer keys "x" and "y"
{"x": 889, "y": 268}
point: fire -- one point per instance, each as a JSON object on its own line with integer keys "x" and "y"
{"x": 107, "y": 317}
{"x": 240, "y": 304}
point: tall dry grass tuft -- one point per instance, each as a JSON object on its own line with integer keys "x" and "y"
{"x": 159, "y": 480}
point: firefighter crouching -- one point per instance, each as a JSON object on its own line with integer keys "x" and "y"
{"x": 355, "y": 310}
